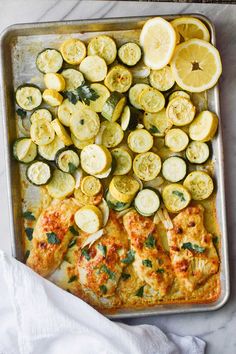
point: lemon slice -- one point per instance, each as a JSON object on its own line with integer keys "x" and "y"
{"x": 196, "y": 65}
{"x": 190, "y": 27}
{"x": 158, "y": 39}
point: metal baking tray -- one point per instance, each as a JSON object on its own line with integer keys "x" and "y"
{"x": 41, "y": 35}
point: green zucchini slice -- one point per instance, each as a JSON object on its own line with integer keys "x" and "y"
{"x": 49, "y": 151}
{"x": 115, "y": 204}
{"x": 41, "y": 113}
{"x": 114, "y": 106}
{"x": 123, "y": 161}
{"x": 129, "y": 118}
{"x": 49, "y": 60}
{"x": 197, "y": 152}
{"x": 67, "y": 160}
{"x": 147, "y": 202}
{"x": 24, "y": 150}
{"x": 174, "y": 169}
{"x": 38, "y": 173}
{"x": 130, "y": 53}
{"x": 28, "y": 97}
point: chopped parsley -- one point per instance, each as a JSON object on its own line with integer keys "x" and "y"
{"x": 27, "y": 253}
{"x": 179, "y": 195}
{"x": 28, "y": 215}
{"x": 81, "y": 121}
{"x": 85, "y": 253}
{"x": 103, "y": 249}
{"x": 139, "y": 292}
{"x": 106, "y": 270}
{"x": 160, "y": 270}
{"x": 73, "y": 231}
{"x": 52, "y": 238}
{"x": 103, "y": 289}
{"x": 72, "y": 278}
{"x": 125, "y": 276}
{"x": 150, "y": 241}
{"x": 153, "y": 129}
{"x": 189, "y": 246}
{"x": 72, "y": 167}
{"x": 21, "y": 113}
{"x": 82, "y": 93}
{"x": 72, "y": 243}
{"x": 71, "y": 96}
{"x": 147, "y": 263}
{"x": 129, "y": 258}
{"x": 215, "y": 240}
{"x": 29, "y": 233}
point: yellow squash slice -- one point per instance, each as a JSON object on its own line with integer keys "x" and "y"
{"x": 151, "y": 100}
{"x": 91, "y": 186}
{"x": 104, "y": 47}
{"x": 93, "y": 68}
{"x": 61, "y": 132}
{"x": 140, "y": 140}
{"x": 123, "y": 188}
{"x": 199, "y": 184}
{"x": 162, "y": 79}
{"x": 95, "y": 159}
{"x": 204, "y": 126}
{"x": 73, "y": 51}
{"x": 84, "y": 123}
{"x": 119, "y": 79}
{"x": 61, "y": 185}
{"x": 89, "y": 219}
{"x": 175, "y": 197}
{"x": 180, "y": 111}
{"x": 176, "y": 140}
{"x": 147, "y": 166}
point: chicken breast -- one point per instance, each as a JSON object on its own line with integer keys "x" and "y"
{"x": 152, "y": 263}
{"x": 100, "y": 266}
{"x": 51, "y": 236}
{"x": 193, "y": 255}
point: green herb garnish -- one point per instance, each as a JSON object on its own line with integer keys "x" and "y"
{"x": 29, "y": 233}
{"x": 82, "y": 93}
{"x": 72, "y": 243}
{"x": 21, "y": 113}
{"x": 72, "y": 167}
{"x": 73, "y": 231}
{"x": 180, "y": 195}
{"x": 129, "y": 258}
{"x": 215, "y": 240}
{"x": 81, "y": 121}
{"x": 103, "y": 289}
{"x": 27, "y": 253}
{"x": 191, "y": 247}
{"x": 85, "y": 253}
{"x": 103, "y": 249}
{"x": 147, "y": 263}
{"x": 139, "y": 292}
{"x": 71, "y": 96}
{"x": 52, "y": 238}
{"x": 160, "y": 270}
{"x": 154, "y": 130}
{"x": 30, "y": 99}
{"x": 28, "y": 215}
{"x": 125, "y": 276}
{"x": 106, "y": 270}
{"x": 150, "y": 241}
{"x": 73, "y": 278}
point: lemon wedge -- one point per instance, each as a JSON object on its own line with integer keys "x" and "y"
{"x": 190, "y": 27}
{"x": 196, "y": 65}
{"x": 158, "y": 39}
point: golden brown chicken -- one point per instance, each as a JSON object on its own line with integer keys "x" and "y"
{"x": 193, "y": 255}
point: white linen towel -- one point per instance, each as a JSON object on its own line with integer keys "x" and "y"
{"x": 37, "y": 317}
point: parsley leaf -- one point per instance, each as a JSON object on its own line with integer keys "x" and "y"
{"x": 103, "y": 249}
{"x": 106, "y": 270}
{"x": 160, "y": 270}
{"x": 71, "y": 96}
{"x": 150, "y": 241}
{"x": 72, "y": 278}
{"x": 180, "y": 195}
{"x": 130, "y": 257}
{"x": 82, "y": 93}
{"x": 215, "y": 240}
{"x": 103, "y": 289}
{"x": 29, "y": 233}
{"x": 28, "y": 215}
{"x": 72, "y": 167}
{"x": 147, "y": 263}
{"x": 153, "y": 129}
{"x": 27, "y": 253}
{"x": 139, "y": 292}
{"x": 21, "y": 113}
{"x": 189, "y": 246}
{"x": 52, "y": 238}
{"x": 85, "y": 253}
{"x": 73, "y": 231}
{"x": 72, "y": 243}
{"x": 125, "y": 276}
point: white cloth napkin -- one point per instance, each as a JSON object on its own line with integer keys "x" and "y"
{"x": 37, "y": 317}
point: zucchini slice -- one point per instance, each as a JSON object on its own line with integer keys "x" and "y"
{"x": 93, "y": 68}
{"x": 42, "y": 132}
{"x": 66, "y": 109}
{"x": 114, "y": 106}
{"x": 104, "y": 47}
{"x": 103, "y": 94}
{"x": 123, "y": 188}
{"x": 134, "y": 94}
{"x": 140, "y": 140}
{"x": 67, "y": 160}
{"x": 199, "y": 184}
{"x": 174, "y": 169}
{"x": 123, "y": 161}
{"x": 38, "y": 173}
{"x": 147, "y": 166}
{"x": 79, "y": 143}
{"x": 115, "y": 204}
{"x": 52, "y": 97}
{"x": 119, "y": 79}
{"x": 204, "y": 126}
{"x": 147, "y": 202}
{"x": 95, "y": 159}
{"x": 49, "y": 61}
{"x": 111, "y": 134}
{"x": 197, "y": 152}
{"x": 151, "y": 100}
{"x": 41, "y": 113}
{"x": 49, "y": 151}
{"x": 73, "y": 79}
{"x": 89, "y": 219}
{"x": 104, "y": 174}
{"x": 179, "y": 93}
{"x": 28, "y": 97}
{"x": 91, "y": 186}
{"x": 73, "y": 51}
{"x": 175, "y": 197}
{"x": 54, "y": 81}
{"x": 129, "y": 118}
{"x": 158, "y": 123}
{"x": 24, "y": 150}
{"x": 162, "y": 79}
{"x": 61, "y": 185}
{"x": 176, "y": 140}
{"x": 180, "y": 111}
{"x": 61, "y": 132}
{"x": 84, "y": 123}
{"x": 130, "y": 53}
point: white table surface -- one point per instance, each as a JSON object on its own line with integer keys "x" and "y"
{"x": 217, "y": 328}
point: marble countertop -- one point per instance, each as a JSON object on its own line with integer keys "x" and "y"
{"x": 216, "y": 328}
